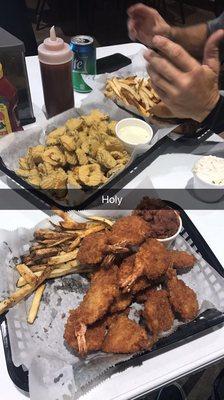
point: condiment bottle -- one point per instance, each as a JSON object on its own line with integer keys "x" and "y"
{"x": 55, "y": 58}
{"x": 9, "y": 121}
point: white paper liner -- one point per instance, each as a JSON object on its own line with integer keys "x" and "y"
{"x": 54, "y": 371}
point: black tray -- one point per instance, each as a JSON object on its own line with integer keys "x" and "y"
{"x": 165, "y": 145}
{"x": 185, "y": 333}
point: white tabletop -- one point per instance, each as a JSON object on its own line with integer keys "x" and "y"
{"x": 162, "y": 368}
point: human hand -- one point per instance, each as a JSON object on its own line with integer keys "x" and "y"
{"x": 144, "y": 23}
{"x": 189, "y": 89}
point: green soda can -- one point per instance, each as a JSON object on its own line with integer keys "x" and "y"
{"x": 84, "y": 62}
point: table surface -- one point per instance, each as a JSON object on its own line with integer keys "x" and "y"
{"x": 162, "y": 368}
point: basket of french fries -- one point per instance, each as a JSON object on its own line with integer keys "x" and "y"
{"x": 133, "y": 93}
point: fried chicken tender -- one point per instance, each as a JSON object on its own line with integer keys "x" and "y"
{"x": 182, "y": 260}
{"x": 129, "y": 231}
{"x": 94, "y": 335}
{"x": 182, "y": 298}
{"x": 158, "y": 313}
{"x": 101, "y": 294}
{"x": 126, "y": 336}
{"x": 92, "y": 249}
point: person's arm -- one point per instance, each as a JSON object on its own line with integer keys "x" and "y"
{"x": 191, "y": 38}
{"x": 215, "y": 120}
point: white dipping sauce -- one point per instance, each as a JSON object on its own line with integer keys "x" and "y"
{"x": 210, "y": 169}
{"x": 134, "y": 134}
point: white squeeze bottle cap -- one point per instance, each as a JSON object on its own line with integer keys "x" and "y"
{"x": 54, "y": 50}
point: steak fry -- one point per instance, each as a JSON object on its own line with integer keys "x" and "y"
{"x": 182, "y": 298}
{"x": 101, "y": 294}
{"x": 157, "y": 312}
{"x": 125, "y": 336}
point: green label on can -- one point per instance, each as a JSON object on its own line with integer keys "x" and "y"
{"x": 79, "y": 84}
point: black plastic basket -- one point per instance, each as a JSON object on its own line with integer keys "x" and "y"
{"x": 185, "y": 333}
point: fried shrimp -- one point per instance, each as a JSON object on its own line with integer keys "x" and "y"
{"x": 152, "y": 260}
{"x": 125, "y": 336}
{"x": 182, "y": 298}
{"x": 101, "y": 294}
{"x": 182, "y": 260}
{"x": 92, "y": 249}
{"x": 94, "y": 335}
{"x": 126, "y": 270}
{"x": 158, "y": 313}
{"x": 129, "y": 231}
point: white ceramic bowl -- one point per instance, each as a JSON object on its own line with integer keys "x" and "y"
{"x": 168, "y": 241}
{"x": 133, "y": 122}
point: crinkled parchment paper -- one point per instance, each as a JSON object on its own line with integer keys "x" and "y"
{"x": 55, "y": 372}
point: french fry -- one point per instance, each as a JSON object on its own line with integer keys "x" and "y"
{"x": 23, "y": 292}
{"x": 56, "y": 273}
{"x": 106, "y": 221}
{"x": 35, "y": 304}
{"x": 74, "y": 244}
{"x": 94, "y": 229}
{"x": 27, "y": 274}
{"x": 68, "y": 222}
{"x": 62, "y": 258}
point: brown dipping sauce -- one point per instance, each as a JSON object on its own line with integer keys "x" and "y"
{"x": 164, "y": 221}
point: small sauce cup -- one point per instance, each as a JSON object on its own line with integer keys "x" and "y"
{"x": 213, "y": 192}
{"x": 169, "y": 240}
{"x": 126, "y": 125}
